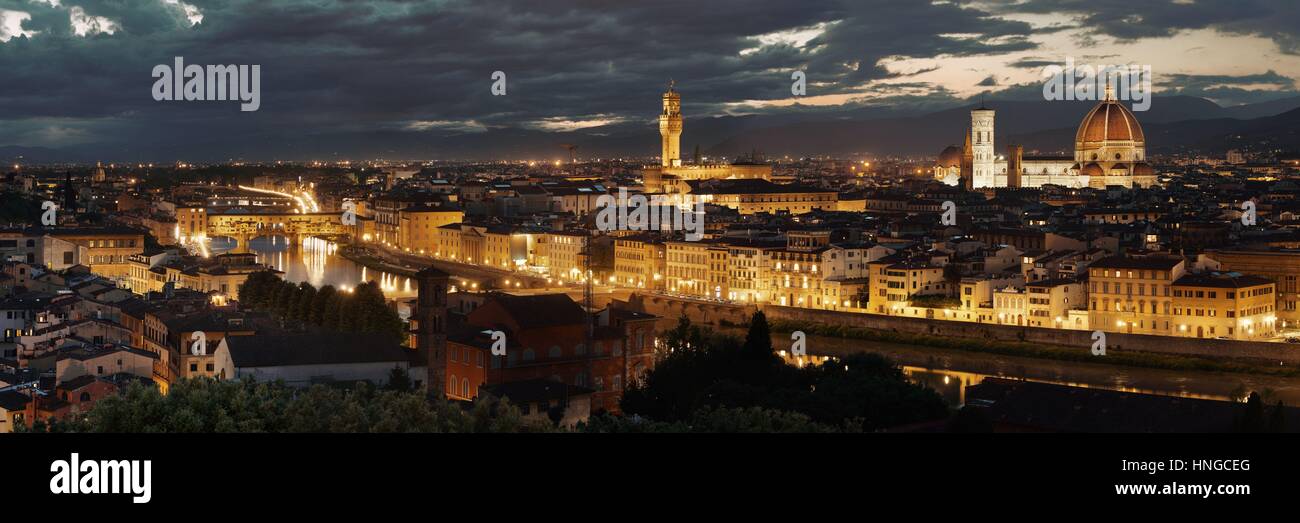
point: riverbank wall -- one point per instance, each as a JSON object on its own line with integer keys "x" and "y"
{"x": 702, "y": 311}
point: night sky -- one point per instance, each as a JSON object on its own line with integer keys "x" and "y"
{"x": 76, "y": 73}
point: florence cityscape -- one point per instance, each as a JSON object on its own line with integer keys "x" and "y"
{"x": 541, "y": 217}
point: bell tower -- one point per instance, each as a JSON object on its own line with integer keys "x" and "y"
{"x": 981, "y": 130}
{"x": 431, "y": 325}
{"x": 670, "y": 128}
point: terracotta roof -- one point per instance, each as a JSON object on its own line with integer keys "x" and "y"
{"x": 1109, "y": 121}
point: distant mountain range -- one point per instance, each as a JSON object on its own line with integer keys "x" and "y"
{"x": 1173, "y": 123}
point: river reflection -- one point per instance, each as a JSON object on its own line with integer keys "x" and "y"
{"x": 317, "y": 262}
{"x": 949, "y": 371}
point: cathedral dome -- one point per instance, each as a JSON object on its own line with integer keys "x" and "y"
{"x": 1109, "y": 121}
{"x": 950, "y": 157}
{"x": 1092, "y": 169}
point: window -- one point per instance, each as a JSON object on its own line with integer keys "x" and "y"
{"x": 451, "y": 384}
{"x": 478, "y": 359}
{"x": 464, "y": 387}
{"x": 555, "y": 351}
{"x": 210, "y": 367}
{"x": 529, "y": 355}
{"x": 194, "y": 367}
{"x": 85, "y": 396}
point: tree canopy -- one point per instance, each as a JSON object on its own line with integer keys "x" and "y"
{"x": 207, "y": 405}
{"x": 703, "y": 372}
{"x": 365, "y": 309}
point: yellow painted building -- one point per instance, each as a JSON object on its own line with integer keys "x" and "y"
{"x": 1280, "y": 266}
{"x": 796, "y": 277}
{"x": 1227, "y": 306}
{"x": 1133, "y": 295}
{"x": 894, "y": 282}
{"x": 1049, "y": 302}
{"x": 562, "y": 254}
{"x": 107, "y": 248}
{"x": 420, "y": 223}
{"x": 718, "y": 286}
{"x": 221, "y": 274}
{"x": 639, "y": 262}
{"x": 748, "y": 267}
{"x": 751, "y": 196}
{"x": 687, "y": 267}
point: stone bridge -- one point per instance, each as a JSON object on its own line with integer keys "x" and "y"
{"x": 245, "y": 226}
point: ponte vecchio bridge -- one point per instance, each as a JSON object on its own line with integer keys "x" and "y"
{"x": 244, "y": 226}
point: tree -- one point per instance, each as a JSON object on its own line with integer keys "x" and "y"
{"x": 398, "y": 380}
{"x": 364, "y": 310}
{"x": 862, "y": 392}
{"x": 684, "y": 336}
{"x": 254, "y": 292}
{"x": 316, "y": 315}
{"x": 333, "y": 310}
{"x": 207, "y": 405}
{"x": 758, "y": 341}
{"x": 302, "y": 307}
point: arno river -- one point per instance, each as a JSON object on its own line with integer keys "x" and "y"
{"x": 317, "y": 262}
{"x": 945, "y": 370}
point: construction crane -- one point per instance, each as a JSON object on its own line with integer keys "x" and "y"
{"x": 573, "y": 155}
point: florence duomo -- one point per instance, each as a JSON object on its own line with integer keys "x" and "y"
{"x": 1109, "y": 150}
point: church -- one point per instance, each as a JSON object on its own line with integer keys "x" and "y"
{"x": 671, "y": 174}
{"x": 1109, "y": 150}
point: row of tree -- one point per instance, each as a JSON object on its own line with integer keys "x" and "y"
{"x": 361, "y": 310}
{"x": 703, "y": 372}
{"x": 206, "y": 405}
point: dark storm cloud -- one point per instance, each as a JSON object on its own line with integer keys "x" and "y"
{"x": 352, "y": 66}
{"x": 1130, "y": 20}
{"x": 1228, "y": 89}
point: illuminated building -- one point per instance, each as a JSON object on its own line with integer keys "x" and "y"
{"x": 1228, "y": 306}
{"x": 639, "y": 262}
{"x": 1133, "y": 295}
{"x": 666, "y": 176}
{"x": 1109, "y": 150}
